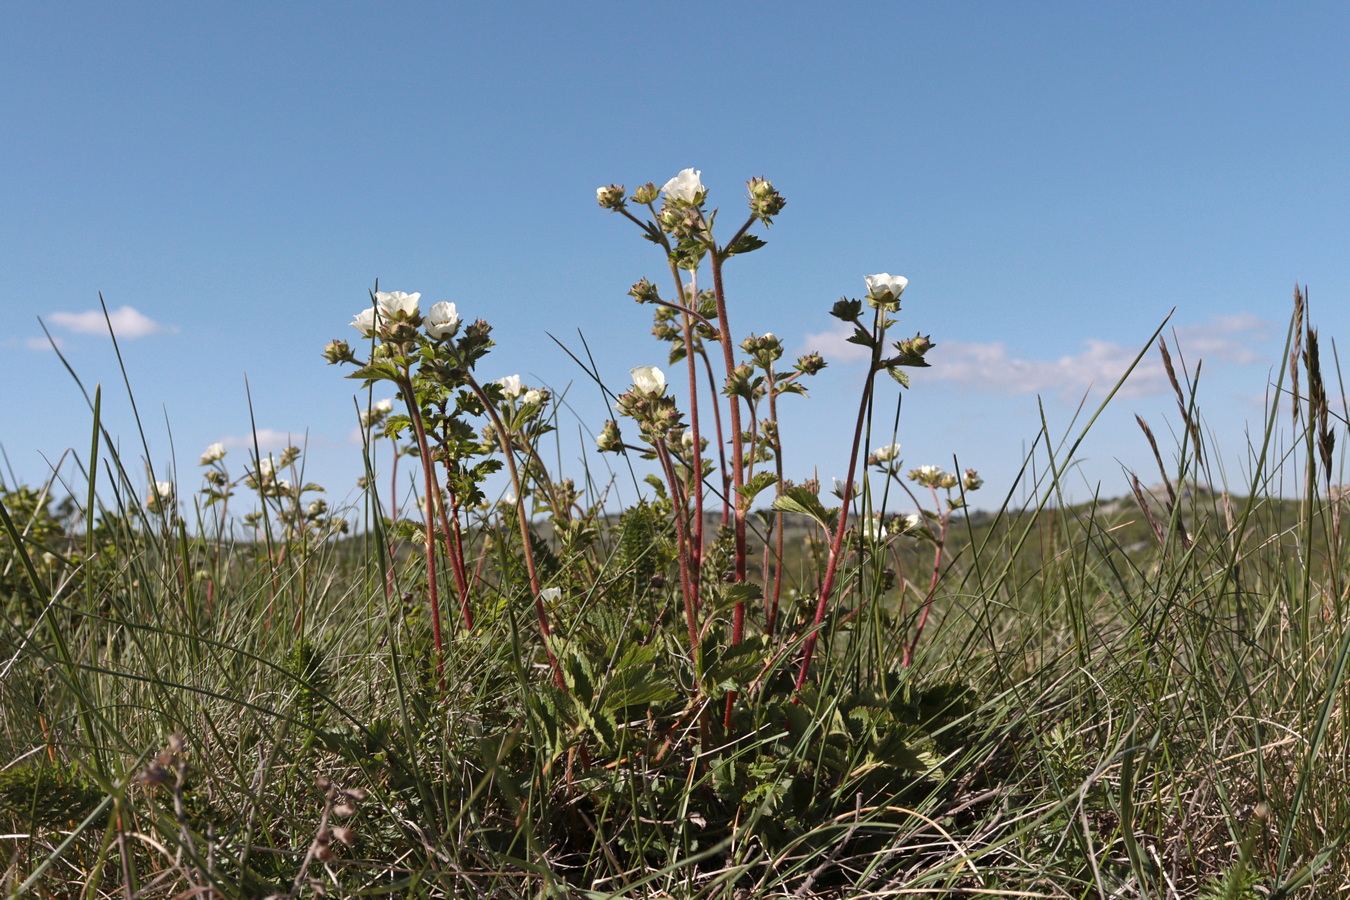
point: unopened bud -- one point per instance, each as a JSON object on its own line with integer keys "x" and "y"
{"x": 610, "y": 197}
{"x": 646, "y": 194}
{"x": 644, "y": 292}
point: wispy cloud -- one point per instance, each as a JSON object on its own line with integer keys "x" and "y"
{"x": 1099, "y": 365}
{"x": 39, "y": 344}
{"x": 834, "y": 345}
{"x": 267, "y": 439}
{"x": 126, "y": 322}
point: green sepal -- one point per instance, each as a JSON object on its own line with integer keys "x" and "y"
{"x": 746, "y": 243}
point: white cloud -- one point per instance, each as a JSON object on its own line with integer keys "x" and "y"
{"x": 834, "y": 345}
{"x": 126, "y": 322}
{"x": 268, "y": 439}
{"x": 1099, "y": 365}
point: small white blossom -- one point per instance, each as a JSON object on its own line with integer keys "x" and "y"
{"x": 880, "y": 285}
{"x": 532, "y": 396}
{"x": 649, "y": 380}
{"x": 385, "y": 406}
{"x": 442, "y": 321}
{"x": 265, "y": 467}
{"x": 511, "y": 385}
{"x": 214, "y": 453}
{"x": 887, "y": 453}
{"x": 550, "y": 594}
{"x": 874, "y": 529}
{"x": 161, "y": 493}
{"x": 396, "y": 302}
{"x": 365, "y": 322}
{"x": 685, "y": 186}
{"x": 913, "y": 522}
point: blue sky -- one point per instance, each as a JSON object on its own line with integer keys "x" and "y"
{"x": 1053, "y": 178}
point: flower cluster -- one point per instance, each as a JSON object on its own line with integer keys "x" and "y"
{"x": 884, "y": 456}
{"x": 646, "y": 402}
{"x": 935, "y": 477}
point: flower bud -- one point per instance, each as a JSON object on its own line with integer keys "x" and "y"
{"x": 810, "y": 364}
{"x": 338, "y": 352}
{"x": 765, "y": 202}
{"x": 646, "y": 194}
{"x": 913, "y": 349}
{"x": 610, "y": 197}
{"x": 948, "y": 481}
{"x": 972, "y": 481}
{"x": 644, "y": 292}
{"x": 609, "y": 440}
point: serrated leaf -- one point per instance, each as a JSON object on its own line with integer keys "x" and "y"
{"x": 861, "y": 336}
{"x": 901, "y": 377}
{"x": 746, "y": 243}
{"x": 801, "y": 501}
{"x": 742, "y": 592}
{"x": 756, "y": 484}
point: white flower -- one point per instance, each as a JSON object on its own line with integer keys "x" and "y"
{"x": 511, "y": 385}
{"x": 887, "y": 453}
{"x": 840, "y": 484}
{"x": 396, "y": 302}
{"x": 532, "y": 396}
{"x": 880, "y": 285}
{"x": 365, "y": 322}
{"x": 214, "y": 453}
{"x": 649, "y": 380}
{"x": 265, "y": 467}
{"x": 913, "y": 522}
{"x": 161, "y": 494}
{"x": 684, "y": 186}
{"x": 385, "y": 406}
{"x": 442, "y": 321}
{"x": 874, "y": 529}
{"x": 687, "y": 439}
{"x": 550, "y": 595}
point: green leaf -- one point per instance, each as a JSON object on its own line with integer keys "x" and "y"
{"x": 755, "y": 485}
{"x": 746, "y": 243}
{"x": 861, "y": 336}
{"x": 802, "y": 501}
{"x": 901, "y": 377}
